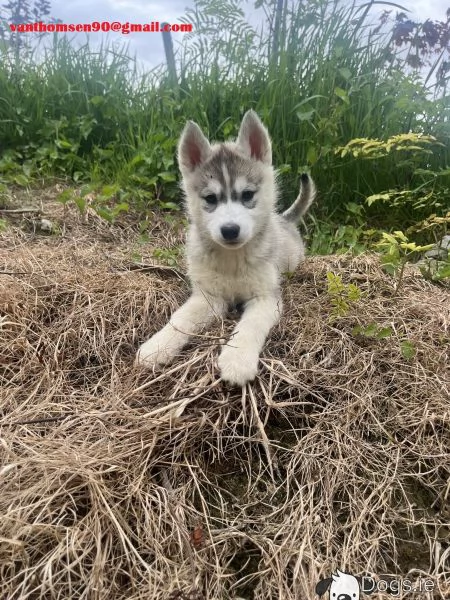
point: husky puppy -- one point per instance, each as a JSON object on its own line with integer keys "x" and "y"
{"x": 237, "y": 246}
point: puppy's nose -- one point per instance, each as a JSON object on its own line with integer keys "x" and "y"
{"x": 344, "y": 597}
{"x": 230, "y": 232}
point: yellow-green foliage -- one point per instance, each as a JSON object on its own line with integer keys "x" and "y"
{"x": 374, "y": 148}
{"x": 341, "y": 294}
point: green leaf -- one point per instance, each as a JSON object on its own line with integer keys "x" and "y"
{"x": 27, "y": 168}
{"x": 65, "y": 196}
{"x": 371, "y": 199}
{"x": 443, "y": 272}
{"x": 311, "y": 155}
{"x": 353, "y": 208}
{"x": 353, "y": 292}
{"x": 411, "y": 246}
{"x": 384, "y": 332}
{"x": 169, "y": 205}
{"x": 121, "y": 207}
{"x": 21, "y": 180}
{"x": 424, "y": 248}
{"x": 96, "y": 100}
{"x": 104, "y": 213}
{"x": 342, "y": 94}
{"x": 86, "y": 189}
{"x": 64, "y": 144}
{"x": 305, "y": 116}
{"x": 407, "y": 349}
{"x": 306, "y": 100}
{"x": 81, "y": 203}
{"x": 139, "y": 158}
{"x": 109, "y": 190}
{"x": 167, "y": 176}
{"x": 371, "y": 330}
{"x": 346, "y": 73}
{"x": 390, "y": 238}
{"x": 389, "y": 266}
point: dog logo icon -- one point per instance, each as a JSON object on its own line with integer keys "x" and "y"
{"x": 342, "y": 586}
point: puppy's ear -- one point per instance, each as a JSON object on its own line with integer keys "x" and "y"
{"x": 254, "y": 139}
{"x": 323, "y": 585}
{"x": 193, "y": 148}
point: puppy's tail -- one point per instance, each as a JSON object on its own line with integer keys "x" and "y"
{"x": 303, "y": 201}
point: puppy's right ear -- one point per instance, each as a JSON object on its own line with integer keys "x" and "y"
{"x": 323, "y": 585}
{"x": 193, "y": 148}
{"x": 254, "y": 138}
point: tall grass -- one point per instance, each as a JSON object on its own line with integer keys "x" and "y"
{"x": 91, "y": 114}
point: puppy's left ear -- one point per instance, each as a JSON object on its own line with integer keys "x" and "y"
{"x": 193, "y": 148}
{"x": 254, "y": 139}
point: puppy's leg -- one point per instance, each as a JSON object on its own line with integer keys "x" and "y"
{"x": 190, "y": 318}
{"x": 238, "y": 361}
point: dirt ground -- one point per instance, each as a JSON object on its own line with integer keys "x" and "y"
{"x": 118, "y": 482}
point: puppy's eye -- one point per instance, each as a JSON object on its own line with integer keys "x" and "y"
{"x": 247, "y": 195}
{"x": 211, "y": 199}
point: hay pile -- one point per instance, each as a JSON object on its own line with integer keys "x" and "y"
{"x": 117, "y": 483}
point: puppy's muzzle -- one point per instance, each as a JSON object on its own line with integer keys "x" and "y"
{"x": 230, "y": 232}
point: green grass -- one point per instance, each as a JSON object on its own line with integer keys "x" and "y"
{"x": 91, "y": 115}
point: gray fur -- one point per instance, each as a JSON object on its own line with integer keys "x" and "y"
{"x": 303, "y": 201}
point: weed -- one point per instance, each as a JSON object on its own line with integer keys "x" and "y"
{"x": 437, "y": 271}
{"x": 407, "y": 349}
{"x": 106, "y": 201}
{"x": 397, "y": 251}
{"x": 342, "y": 295}
{"x": 169, "y": 256}
{"x": 372, "y": 331}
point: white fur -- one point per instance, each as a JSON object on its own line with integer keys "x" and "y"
{"x": 222, "y": 274}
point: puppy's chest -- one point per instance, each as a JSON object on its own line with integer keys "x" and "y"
{"x": 234, "y": 280}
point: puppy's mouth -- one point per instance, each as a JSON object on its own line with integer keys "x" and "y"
{"x": 232, "y": 244}
{"x": 229, "y": 244}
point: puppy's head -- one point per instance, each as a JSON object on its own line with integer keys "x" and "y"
{"x": 230, "y": 187}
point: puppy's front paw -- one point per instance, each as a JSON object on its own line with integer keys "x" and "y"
{"x": 237, "y": 367}
{"x": 155, "y": 352}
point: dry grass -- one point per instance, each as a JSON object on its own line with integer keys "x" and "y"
{"x": 118, "y": 483}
